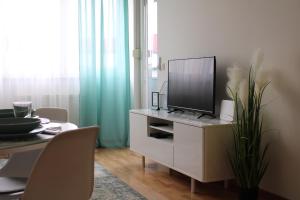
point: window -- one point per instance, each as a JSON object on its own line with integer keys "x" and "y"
{"x": 39, "y": 53}
{"x": 150, "y": 48}
{"x": 38, "y": 38}
{"x": 152, "y": 38}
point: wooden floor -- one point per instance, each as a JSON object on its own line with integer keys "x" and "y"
{"x": 155, "y": 182}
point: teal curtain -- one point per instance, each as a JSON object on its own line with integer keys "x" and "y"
{"x": 104, "y": 69}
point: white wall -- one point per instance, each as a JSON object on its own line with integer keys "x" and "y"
{"x": 231, "y": 30}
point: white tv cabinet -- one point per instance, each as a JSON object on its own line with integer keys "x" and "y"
{"x": 196, "y": 147}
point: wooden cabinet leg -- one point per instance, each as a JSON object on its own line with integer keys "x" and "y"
{"x": 193, "y": 185}
{"x": 226, "y": 184}
{"x": 143, "y": 162}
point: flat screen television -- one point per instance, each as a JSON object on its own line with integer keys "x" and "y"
{"x": 191, "y": 84}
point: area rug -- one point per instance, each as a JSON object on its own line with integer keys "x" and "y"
{"x": 107, "y": 186}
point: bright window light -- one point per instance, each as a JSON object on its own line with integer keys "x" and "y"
{"x": 39, "y": 38}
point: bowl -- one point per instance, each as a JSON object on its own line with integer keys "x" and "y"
{"x": 18, "y": 125}
{"x": 7, "y": 113}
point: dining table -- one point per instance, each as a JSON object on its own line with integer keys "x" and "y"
{"x": 22, "y": 152}
{"x": 30, "y": 143}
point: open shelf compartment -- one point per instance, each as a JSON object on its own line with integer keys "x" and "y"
{"x": 160, "y": 129}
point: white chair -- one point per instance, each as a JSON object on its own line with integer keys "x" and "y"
{"x": 20, "y": 164}
{"x": 54, "y": 114}
{"x": 64, "y": 170}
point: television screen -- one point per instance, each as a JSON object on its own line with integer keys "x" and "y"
{"x": 191, "y": 84}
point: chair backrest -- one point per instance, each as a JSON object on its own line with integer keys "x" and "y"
{"x": 54, "y": 114}
{"x": 65, "y": 168}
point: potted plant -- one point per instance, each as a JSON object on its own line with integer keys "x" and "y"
{"x": 248, "y": 157}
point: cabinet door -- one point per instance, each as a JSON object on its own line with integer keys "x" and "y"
{"x": 160, "y": 150}
{"x": 138, "y": 132}
{"x": 188, "y": 150}
{"x": 218, "y": 140}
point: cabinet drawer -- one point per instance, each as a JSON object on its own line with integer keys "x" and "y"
{"x": 138, "y": 132}
{"x": 188, "y": 150}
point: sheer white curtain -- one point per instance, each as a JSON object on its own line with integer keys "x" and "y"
{"x": 39, "y": 53}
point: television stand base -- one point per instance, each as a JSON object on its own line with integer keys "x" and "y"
{"x": 203, "y": 114}
{"x": 174, "y": 110}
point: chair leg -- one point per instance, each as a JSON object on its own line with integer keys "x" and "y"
{"x": 143, "y": 162}
{"x": 193, "y": 185}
